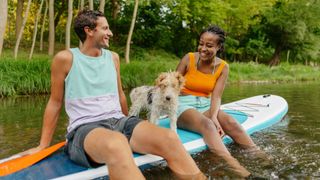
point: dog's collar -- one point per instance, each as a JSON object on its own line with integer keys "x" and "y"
{"x": 150, "y": 95}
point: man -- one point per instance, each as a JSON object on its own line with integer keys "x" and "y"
{"x": 99, "y": 131}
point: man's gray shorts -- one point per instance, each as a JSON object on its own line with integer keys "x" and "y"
{"x": 75, "y": 148}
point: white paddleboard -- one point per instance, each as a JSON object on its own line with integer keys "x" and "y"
{"x": 254, "y": 114}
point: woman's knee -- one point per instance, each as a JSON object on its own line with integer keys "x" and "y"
{"x": 207, "y": 126}
{"x": 230, "y": 124}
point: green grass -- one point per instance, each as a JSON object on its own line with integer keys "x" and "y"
{"x": 31, "y": 77}
{"x": 252, "y": 72}
{"x": 21, "y": 77}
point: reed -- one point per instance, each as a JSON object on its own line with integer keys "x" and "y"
{"x": 21, "y": 77}
{"x": 31, "y": 77}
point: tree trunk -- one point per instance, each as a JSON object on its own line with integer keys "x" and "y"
{"x": 21, "y": 30}
{"x": 81, "y": 4}
{"x": 288, "y": 56}
{"x": 275, "y": 60}
{"x": 43, "y": 23}
{"x": 101, "y": 5}
{"x": 3, "y": 21}
{"x": 91, "y": 4}
{"x": 81, "y": 8}
{"x": 69, "y": 20}
{"x": 19, "y": 12}
{"x": 127, "y": 55}
{"x": 35, "y": 29}
{"x": 51, "y": 28}
{"x": 115, "y": 12}
{"x": 115, "y": 9}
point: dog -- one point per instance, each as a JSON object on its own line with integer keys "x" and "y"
{"x": 158, "y": 100}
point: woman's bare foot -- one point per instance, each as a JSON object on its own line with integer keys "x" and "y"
{"x": 198, "y": 176}
{"x": 236, "y": 167}
{"x": 255, "y": 153}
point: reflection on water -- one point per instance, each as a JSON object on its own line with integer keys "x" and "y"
{"x": 20, "y": 124}
{"x": 294, "y": 143}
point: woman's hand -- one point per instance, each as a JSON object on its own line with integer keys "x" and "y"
{"x": 218, "y": 126}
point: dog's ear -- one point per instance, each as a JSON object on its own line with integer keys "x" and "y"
{"x": 160, "y": 78}
{"x": 180, "y": 79}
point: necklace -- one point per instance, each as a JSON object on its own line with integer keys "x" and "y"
{"x": 214, "y": 62}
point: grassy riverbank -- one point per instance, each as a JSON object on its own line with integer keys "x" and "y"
{"x": 30, "y": 77}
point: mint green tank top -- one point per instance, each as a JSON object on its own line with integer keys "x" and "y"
{"x": 91, "y": 89}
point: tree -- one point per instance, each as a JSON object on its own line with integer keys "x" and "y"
{"x": 51, "y": 28}
{"x": 101, "y": 5}
{"x": 69, "y": 20}
{"x": 3, "y": 21}
{"x": 127, "y": 54}
{"x": 19, "y": 12}
{"x": 81, "y": 8}
{"x": 35, "y": 29}
{"x": 43, "y": 23}
{"x": 21, "y": 30}
{"x": 91, "y": 5}
{"x": 115, "y": 9}
{"x": 291, "y": 25}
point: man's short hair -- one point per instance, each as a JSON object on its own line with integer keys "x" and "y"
{"x": 86, "y": 18}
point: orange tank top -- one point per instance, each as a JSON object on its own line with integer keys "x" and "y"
{"x": 198, "y": 83}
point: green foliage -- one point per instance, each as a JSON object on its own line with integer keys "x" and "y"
{"x": 254, "y": 28}
{"x": 140, "y": 73}
{"x": 292, "y": 25}
{"x": 21, "y": 77}
{"x": 253, "y": 72}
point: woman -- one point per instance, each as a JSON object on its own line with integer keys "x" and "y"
{"x": 200, "y": 99}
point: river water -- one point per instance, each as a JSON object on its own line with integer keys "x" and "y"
{"x": 294, "y": 143}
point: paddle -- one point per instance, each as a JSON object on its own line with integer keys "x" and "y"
{"x": 19, "y": 163}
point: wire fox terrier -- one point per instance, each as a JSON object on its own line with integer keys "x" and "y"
{"x": 161, "y": 99}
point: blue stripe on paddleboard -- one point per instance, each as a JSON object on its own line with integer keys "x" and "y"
{"x": 268, "y": 123}
{"x": 53, "y": 166}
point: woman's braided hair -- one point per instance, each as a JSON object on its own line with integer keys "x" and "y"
{"x": 214, "y": 29}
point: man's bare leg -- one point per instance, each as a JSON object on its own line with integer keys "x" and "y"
{"x": 148, "y": 138}
{"x": 112, "y": 148}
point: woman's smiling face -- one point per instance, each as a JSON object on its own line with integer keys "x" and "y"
{"x": 208, "y": 46}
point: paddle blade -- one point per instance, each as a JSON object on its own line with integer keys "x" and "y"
{"x": 20, "y": 163}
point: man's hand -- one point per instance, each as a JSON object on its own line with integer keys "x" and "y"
{"x": 32, "y": 151}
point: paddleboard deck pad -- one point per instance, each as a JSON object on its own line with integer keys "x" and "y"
{"x": 254, "y": 114}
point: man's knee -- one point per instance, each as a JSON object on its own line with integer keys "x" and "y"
{"x": 114, "y": 143}
{"x": 169, "y": 142}
{"x": 106, "y": 145}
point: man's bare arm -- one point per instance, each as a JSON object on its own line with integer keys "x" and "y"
{"x": 122, "y": 96}
{"x": 59, "y": 69}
